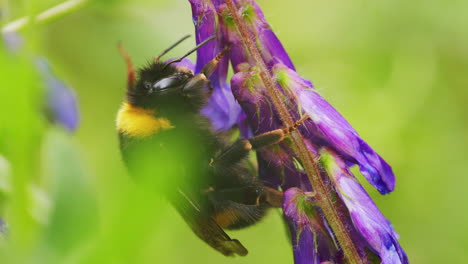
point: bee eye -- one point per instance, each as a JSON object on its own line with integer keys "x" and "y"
{"x": 147, "y": 85}
{"x": 167, "y": 83}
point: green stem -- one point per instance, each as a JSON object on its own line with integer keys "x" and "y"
{"x": 45, "y": 16}
{"x": 323, "y": 191}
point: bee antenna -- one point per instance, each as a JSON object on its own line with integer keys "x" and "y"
{"x": 191, "y": 51}
{"x": 171, "y": 47}
{"x": 130, "y": 70}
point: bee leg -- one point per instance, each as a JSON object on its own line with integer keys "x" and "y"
{"x": 235, "y": 208}
{"x": 235, "y": 194}
{"x": 275, "y": 136}
{"x": 195, "y": 83}
{"x": 211, "y": 66}
{"x": 240, "y": 149}
{"x": 232, "y": 154}
{"x": 273, "y": 197}
{"x": 264, "y": 194}
{"x": 200, "y": 81}
{"x": 236, "y": 153}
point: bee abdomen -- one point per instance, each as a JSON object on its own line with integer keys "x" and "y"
{"x": 232, "y": 215}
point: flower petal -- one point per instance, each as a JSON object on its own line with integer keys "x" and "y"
{"x": 61, "y": 99}
{"x": 366, "y": 217}
{"x": 329, "y": 128}
{"x": 222, "y": 110}
{"x": 13, "y": 41}
{"x": 271, "y": 49}
{"x": 205, "y": 20}
{"x": 185, "y": 63}
{"x": 3, "y": 227}
{"x": 312, "y": 242}
{"x": 303, "y": 243}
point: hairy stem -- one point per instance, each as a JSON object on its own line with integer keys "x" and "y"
{"x": 323, "y": 191}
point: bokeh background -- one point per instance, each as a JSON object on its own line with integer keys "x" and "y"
{"x": 397, "y": 70}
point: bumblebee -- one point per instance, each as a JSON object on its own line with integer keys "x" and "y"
{"x": 171, "y": 147}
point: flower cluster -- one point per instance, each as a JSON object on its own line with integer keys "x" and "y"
{"x": 61, "y": 105}
{"x": 266, "y": 92}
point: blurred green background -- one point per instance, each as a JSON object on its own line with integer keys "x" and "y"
{"x": 397, "y": 70}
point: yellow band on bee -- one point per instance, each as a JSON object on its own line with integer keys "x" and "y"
{"x": 138, "y": 122}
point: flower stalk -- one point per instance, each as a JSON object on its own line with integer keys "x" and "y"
{"x": 43, "y": 17}
{"x": 323, "y": 192}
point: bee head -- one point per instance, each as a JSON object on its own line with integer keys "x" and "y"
{"x": 165, "y": 86}
{"x": 159, "y": 80}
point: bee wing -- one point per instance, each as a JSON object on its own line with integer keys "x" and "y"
{"x": 203, "y": 225}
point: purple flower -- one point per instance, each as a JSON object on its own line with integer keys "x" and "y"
{"x": 308, "y": 228}
{"x": 185, "y": 63}
{"x": 3, "y": 227}
{"x": 61, "y": 100}
{"x": 13, "y": 42}
{"x": 223, "y": 111}
{"x": 331, "y": 217}
{"x": 366, "y": 217}
{"x": 329, "y": 128}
